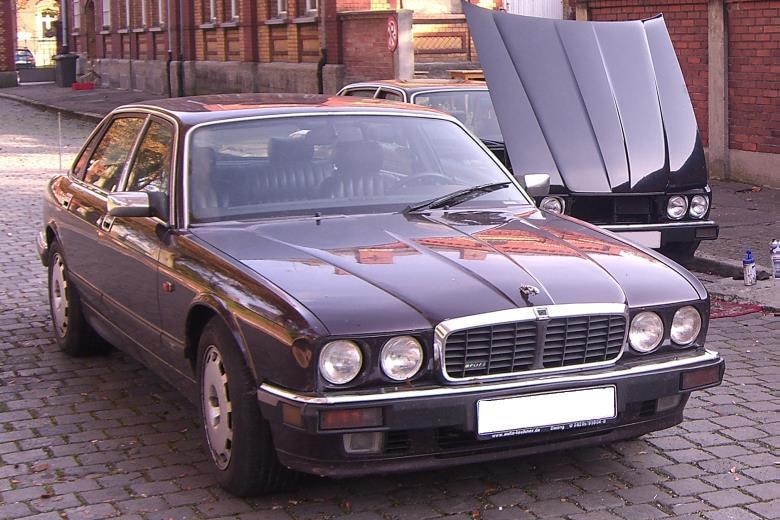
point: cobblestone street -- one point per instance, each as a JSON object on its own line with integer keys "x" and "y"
{"x": 103, "y": 437}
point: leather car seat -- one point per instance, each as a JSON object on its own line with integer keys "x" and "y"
{"x": 357, "y": 172}
{"x": 293, "y": 173}
{"x": 203, "y": 191}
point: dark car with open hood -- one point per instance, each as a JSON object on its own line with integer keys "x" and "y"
{"x": 351, "y": 287}
{"x": 601, "y": 107}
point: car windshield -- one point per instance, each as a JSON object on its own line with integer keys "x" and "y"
{"x": 335, "y": 164}
{"x": 472, "y": 107}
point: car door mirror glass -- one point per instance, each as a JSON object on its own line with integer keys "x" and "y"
{"x": 129, "y": 204}
{"x": 536, "y": 184}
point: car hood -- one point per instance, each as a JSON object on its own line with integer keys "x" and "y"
{"x": 390, "y": 272}
{"x": 600, "y": 106}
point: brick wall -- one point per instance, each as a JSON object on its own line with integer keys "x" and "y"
{"x": 7, "y": 35}
{"x": 364, "y": 46}
{"x": 754, "y": 76}
{"x": 687, "y": 24}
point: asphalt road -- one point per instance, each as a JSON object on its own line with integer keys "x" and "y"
{"x": 103, "y": 437}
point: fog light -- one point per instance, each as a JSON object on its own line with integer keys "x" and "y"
{"x": 351, "y": 418}
{"x": 667, "y": 402}
{"x": 364, "y": 442}
{"x": 700, "y": 378}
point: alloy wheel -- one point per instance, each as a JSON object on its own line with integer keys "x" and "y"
{"x": 217, "y": 409}
{"x": 58, "y": 293}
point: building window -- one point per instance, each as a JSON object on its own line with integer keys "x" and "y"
{"x": 106, "y": 14}
{"x": 158, "y": 20}
{"x": 281, "y": 8}
{"x": 231, "y": 10}
{"x": 128, "y": 14}
{"x": 209, "y": 11}
{"x": 311, "y": 6}
{"x": 76, "y": 15}
{"x": 143, "y": 13}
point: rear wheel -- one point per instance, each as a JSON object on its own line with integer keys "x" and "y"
{"x": 75, "y": 336}
{"x": 238, "y": 438}
{"x": 680, "y": 251}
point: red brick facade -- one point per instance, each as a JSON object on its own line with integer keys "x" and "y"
{"x": 687, "y": 24}
{"x": 364, "y": 48}
{"x": 7, "y": 35}
{"x": 754, "y": 76}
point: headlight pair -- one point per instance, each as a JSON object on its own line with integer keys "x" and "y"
{"x": 647, "y": 329}
{"x": 341, "y": 360}
{"x": 678, "y": 205}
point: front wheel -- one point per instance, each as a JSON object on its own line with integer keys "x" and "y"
{"x": 238, "y": 438}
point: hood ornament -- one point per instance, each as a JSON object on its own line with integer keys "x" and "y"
{"x": 529, "y": 290}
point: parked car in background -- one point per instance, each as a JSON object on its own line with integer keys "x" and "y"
{"x": 613, "y": 128}
{"x": 24, "y": 59}
{"x": 351, "y": 287}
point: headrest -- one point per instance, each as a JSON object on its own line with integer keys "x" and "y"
{"x": 355, "y": 158}
{"x": 286, "y": 150}
{"x": 200, "y": 155}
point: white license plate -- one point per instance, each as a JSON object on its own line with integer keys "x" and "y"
{"x": 645, "y": 238}
{"x": 544, "y": 412}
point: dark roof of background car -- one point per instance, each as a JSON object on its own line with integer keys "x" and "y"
{"x": 200, "y": 109}
{"x": 422, "y": 84}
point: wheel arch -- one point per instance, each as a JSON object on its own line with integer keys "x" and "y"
{"x": 201, "y": 312}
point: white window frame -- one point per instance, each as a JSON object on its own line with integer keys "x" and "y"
{"x": 281, "y": 8}
{"x": 232, "y": 10}
{"x": 212, "y": 14}
{"x": 76, "y": 15}
{"x": 128, "y": 12}
{"x": 312, "y": 6}
{"x": 106, "y": 10}
{"x": 160, "y": 19}
{"x": 143, "y": 13}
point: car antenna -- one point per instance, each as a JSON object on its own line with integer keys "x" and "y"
{"x": 59, "y": 136}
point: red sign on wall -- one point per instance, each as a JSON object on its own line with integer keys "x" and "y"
{"x": 392, "y": 33}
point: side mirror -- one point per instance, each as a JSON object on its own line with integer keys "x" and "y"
{"x": 129, "y": 204}
{"x": 537, "y": 184}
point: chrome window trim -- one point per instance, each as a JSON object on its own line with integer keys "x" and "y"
{"x": 655, "y": 227}
{"x": 543, "y": 312}
{"x": 270, "y": 394}
{"x": 324, "y": 113}
{"x": 470, "y": 88}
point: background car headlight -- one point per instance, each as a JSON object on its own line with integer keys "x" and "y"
{"x": 677, "y": 207}
{"x": 646, "y": 332}
{"x": 340, "y": 361}
{"x": 699, "y": 206}
{"x": 401, "y": 357}
{"x": 686, "y": 325}
{"x": 554, "y": 204}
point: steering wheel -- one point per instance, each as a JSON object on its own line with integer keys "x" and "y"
{"x": 426, "y": 178}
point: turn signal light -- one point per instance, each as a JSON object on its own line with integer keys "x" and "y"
{"x": 700, "y": 378}
{"x": 350, "y": 418}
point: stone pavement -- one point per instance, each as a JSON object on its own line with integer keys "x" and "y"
{"x": 104, "y": 438}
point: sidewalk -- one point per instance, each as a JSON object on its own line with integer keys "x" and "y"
{"x": 748, "y": 219}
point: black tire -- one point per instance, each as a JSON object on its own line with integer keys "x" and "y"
{"x": 681, "y": 251}
{"x": 75, "y": 336}
{"x": 236, "y": 436}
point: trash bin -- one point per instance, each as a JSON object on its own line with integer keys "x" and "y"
{"x": 65, "y": 69}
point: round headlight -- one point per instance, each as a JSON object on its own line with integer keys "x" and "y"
{"x": 401, "y": 358}
{"x": 646, "y": 332}
{"x": 699, "y": 206}
{"x": 677, "y": 207}
{"x": 340, "y": 361}
{"x": 686, "y": 325}
{"x": 554, "y": 204}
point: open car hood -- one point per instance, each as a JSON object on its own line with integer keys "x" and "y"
{"x": 600, "y": 106}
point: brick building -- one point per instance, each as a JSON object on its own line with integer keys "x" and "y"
{"x": 7, "y": 43}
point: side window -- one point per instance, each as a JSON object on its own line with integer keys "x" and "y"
{"x": 106, "y": 163}
{"x": 389, "y": 95}
{"x": 151, "y": 168}
{"x": 361, "y": 92}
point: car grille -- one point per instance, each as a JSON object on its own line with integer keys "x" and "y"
{"x": 520, "y": 346}
{"x": 634, "y": 209}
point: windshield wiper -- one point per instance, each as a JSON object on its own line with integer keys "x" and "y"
{"x": 457, "y": 197}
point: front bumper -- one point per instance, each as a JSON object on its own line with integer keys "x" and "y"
{"x": 662, "y": 234}
{"x": 436, "y": 426}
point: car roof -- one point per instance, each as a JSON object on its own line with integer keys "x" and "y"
{"x": 423, "y": 84}
{"x": 200, "y": 109}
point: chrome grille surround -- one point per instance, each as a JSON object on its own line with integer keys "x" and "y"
{"x": 524, "y": 318}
